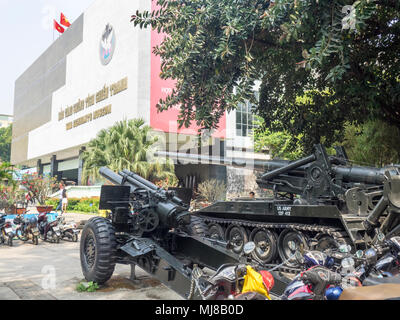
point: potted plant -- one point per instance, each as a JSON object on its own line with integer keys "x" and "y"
{"x": 11, "y": 199}
{"x": 39, "y": 189}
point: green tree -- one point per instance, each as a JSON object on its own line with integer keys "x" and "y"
{"x": 5, "y": 143}
{"x": 341, "y": 56}
{"x": 6, "y": 172}
{"x": 126, "y": 145}
{"x": 277, "y": 144}
{"x": 374, "y": 143}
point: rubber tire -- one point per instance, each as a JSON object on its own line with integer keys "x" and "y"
{"x": 272, "y": 237}
{"x": 218, "y": 230}
{"x": 10, "y": 240}
{"x": 106, "y": 250}
{"x": 244, "y": 236}
{"x": 74, "y": 237}
{"x": 197, "y": 227}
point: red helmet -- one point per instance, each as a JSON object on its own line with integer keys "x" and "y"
{"x": 268, "y": 279}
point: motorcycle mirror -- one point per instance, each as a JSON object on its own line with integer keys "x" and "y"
{"x": 344, "y": 248}
{"x": 381, "y": 236}
{"x": 359, "y": 254}
{"x": 249, "y": 247}
{"x": 371, "y": 256}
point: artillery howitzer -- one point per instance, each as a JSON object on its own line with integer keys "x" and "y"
{"x": 151, "y": 228}
{"x": 319, "y": 197}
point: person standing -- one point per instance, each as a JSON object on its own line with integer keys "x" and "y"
{"x": 59, "y": 207}
{"x": 64, "y": 201}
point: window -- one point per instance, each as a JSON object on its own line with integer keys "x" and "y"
{"x": 245, "y": 119}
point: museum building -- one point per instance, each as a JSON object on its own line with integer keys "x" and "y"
{"x": 102, "y": 70}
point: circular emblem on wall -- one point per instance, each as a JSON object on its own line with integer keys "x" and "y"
{"x": 107, "y": 44}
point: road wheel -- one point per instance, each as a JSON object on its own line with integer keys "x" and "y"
{"x": 98, "y": 250}
{"x": 216, "y": 231}
{"x": 10, "y": 240}
{"x": 266, "y": 245}
{"x": 20, "y": 236}
{"x": 289, "y": 242}
{"x": 74, "y": 237}
{"x": 197, "y": 227}
{"x": 237, "y": 236}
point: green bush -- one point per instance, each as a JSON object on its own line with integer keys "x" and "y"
{"x": 80, "y": 205}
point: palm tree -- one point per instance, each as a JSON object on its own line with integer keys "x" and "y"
{"x": 6, "y": 172}
{"x": 126, "y": 146}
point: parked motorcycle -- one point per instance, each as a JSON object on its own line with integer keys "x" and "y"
{"x": 6, "y": 231}
{"x": 49, "y": 231}
{"x": 389, "y": 264}
{"x": 233, "y": 281}
{"x": 345, "y": 270}
{"x": 27, "y": 229}
{"x": 68, "y": 230}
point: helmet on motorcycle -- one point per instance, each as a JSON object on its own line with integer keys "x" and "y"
{"x": 268, "y": 279}
{"x": 333, "y": 293}
{"x": 33, "y": 220}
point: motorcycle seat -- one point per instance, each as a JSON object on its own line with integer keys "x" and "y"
{"x": 373, "y": 281}
{"x": 379, "y": 292}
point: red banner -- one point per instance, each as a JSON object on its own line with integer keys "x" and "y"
{"x": 167, "y": 120}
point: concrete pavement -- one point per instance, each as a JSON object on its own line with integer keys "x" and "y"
{"x": 52, "y": 271}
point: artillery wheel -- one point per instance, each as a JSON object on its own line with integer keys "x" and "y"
{"x": 216, "y": 231}
{"x": 237, "y": 236}
{"x": 197, "y": 227}
{"x": 289, "y": 242}
{"x": 266, "y": 245}
{"x": 98, "y": 250}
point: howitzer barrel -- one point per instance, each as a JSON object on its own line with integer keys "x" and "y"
{"x": 119, "y": 180}
{"x": 274, "y": 168}
{"x": 293, "y": 165}
{"x": 369, "y": 175}
{"x": 133, "y": 178}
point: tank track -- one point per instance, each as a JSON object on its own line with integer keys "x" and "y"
{"x": 336, "y": 233}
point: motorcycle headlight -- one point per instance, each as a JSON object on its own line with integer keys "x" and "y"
{"x": 348, "y": 263}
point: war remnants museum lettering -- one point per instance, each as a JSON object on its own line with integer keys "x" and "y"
{"x": 89, "y": 117}
{"x": 101, "y": 95}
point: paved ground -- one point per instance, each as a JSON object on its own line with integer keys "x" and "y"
{"x": 52, "y": 271}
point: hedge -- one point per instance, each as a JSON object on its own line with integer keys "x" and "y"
{"x": 75, "y": 204}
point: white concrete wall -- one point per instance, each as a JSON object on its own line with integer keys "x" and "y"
{"x": 86, "y": 75}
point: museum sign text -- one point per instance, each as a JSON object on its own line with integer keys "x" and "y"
{"x": 101, "y": 95}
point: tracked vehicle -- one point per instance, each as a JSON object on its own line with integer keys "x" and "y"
{"x": 319, "y": 197}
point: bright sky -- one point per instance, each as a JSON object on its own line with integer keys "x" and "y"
{"x": 26, "y": 32}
